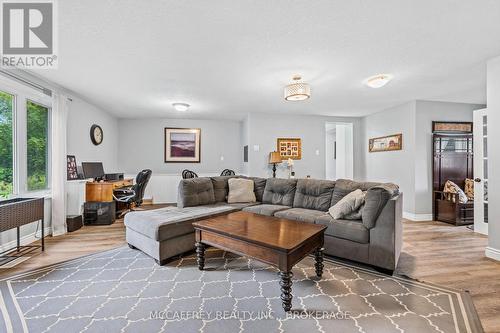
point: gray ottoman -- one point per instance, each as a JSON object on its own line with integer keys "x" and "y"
{"x": 167, "y": 232}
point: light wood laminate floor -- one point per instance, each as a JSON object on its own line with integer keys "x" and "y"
{"x": 433, "y": 252}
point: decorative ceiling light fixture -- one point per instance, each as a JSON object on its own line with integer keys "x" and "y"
{"x": 297, "y": 90}
{"x": 378, "y": 81}
{"x": 181, "y": 106}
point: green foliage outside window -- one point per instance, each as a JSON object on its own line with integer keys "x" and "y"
{"x": 6, "y": 135}
{"x": 37, "y": 144}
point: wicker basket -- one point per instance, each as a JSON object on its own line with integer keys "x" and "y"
{"x": 20, "y": 211}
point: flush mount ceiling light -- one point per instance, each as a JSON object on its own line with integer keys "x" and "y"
{"x": 378, "y": 81}
{"x": 180, "y": 106}
{"x": 297, "y": 90}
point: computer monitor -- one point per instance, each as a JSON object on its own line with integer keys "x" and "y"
{"x": 93, "y": 170}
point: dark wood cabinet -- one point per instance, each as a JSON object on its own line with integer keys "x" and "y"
{"x": 453, "y": 159}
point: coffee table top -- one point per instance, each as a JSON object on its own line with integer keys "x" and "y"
{"x": 269, "y": 231}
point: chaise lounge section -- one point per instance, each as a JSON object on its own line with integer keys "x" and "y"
{"x": 375, "y": 239}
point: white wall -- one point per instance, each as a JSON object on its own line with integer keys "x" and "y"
{"x": 330, "y": 162}
{"x": 493, "y": 98}
{"x": 81, "y": 117}
{"x": 393, "y": 166}
{"x": 264, "y": 129}
{"x": 344, "y": 161}
{"x": 141, "y": 145}
{"x": 410, "y": 168}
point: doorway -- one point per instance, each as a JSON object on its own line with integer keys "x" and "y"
{"x": 339, "y": 150}
{"x": 481, "y": 171}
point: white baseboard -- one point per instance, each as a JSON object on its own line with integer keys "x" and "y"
{"x": 492, "y": 253}
{"x": 417, "y": 217}
{"x": 25, "y": 240}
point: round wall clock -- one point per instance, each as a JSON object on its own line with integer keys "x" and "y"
{"x": 96, "y": 134}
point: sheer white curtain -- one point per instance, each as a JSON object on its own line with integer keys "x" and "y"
{"x": 60, "y": 106}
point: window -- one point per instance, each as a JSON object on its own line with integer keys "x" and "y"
{"x": 6, "y": 144}
{"x": 37, "y": 145}
{"x": 25, "y": 117}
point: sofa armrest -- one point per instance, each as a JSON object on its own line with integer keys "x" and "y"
{"x": 386, "y": 237}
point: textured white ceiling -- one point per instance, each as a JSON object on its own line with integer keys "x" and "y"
{"x": 226, "y": 58}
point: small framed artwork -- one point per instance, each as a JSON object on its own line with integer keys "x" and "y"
{"x": 289, "y": 148}
{"x": 71, "y": 168}
{"x": 386, "y": 143}
{"x": 182, "y": 145}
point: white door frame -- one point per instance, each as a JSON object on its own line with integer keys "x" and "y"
{"x": 479, "y": 127}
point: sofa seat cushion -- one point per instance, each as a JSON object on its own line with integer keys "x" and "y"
{"x": 169, "y": 222}
{"x": 265, "y": 209}
{"x": 300, "y": 214}
{"x": 279, "y": 191}
{"x": 241, "y": 205}
{"x": 352, "y": 230}
{"x": 313, "y": 194}
{"x": 195, "y": 192}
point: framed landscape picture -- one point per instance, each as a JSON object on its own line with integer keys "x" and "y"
{"x": 386, "y": 143}
{"x": 182, "y": 145}
{"x": 289, "y": 148}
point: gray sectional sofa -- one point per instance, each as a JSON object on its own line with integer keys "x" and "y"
{"x": 376, "y": 239}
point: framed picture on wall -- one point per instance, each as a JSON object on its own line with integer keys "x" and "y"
{"x": 386, "y": 143}
{"x": 71, "y": 168}
{"x": 289, "y": 148}
{"x": 182, "y": 145}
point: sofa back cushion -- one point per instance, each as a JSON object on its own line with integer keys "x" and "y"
{"x": 259, "y": 184}
{"x": 195, "y": 192}
{"x": 313, "y": 194}
{"x": 221, "y": 187}
{"x": 346, "y": 186}
{"x": 375, "y": 200}
{"x": 279, "y": 191}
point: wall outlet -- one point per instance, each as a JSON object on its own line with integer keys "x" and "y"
{"x": 256, "y": 147}
{"x": 222, "y": 157}
{"x": 317, "y": 152}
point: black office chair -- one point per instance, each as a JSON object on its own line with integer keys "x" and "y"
{"x": 227, "y": 172}
{"x": 186, "y": 174}
{"x": 132, "y": 195}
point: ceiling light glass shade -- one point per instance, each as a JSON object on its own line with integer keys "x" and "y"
{"x": 180, "y": 106}
{"x": 298, "y": 90}
{"x": 378, "y": 81}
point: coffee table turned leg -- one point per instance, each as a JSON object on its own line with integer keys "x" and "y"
{"x": 318, "y": 254}
{"x": 200, "y": 255}
{"x": 286, "y": 290}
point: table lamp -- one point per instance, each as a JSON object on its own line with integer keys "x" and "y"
{"x": 274, "y": 158}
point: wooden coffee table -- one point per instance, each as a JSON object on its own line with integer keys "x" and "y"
{"x": 278, "y": 242}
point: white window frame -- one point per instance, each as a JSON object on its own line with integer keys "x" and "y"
{"x": 22, "y": 94}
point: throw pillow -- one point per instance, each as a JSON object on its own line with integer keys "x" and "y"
{"x": 240, "y": 190}
{"x": 469, "y": 188}
{"x": 451, "y": 187}
{"x": 356, "y": 215}
{"x": 349, "y": 204}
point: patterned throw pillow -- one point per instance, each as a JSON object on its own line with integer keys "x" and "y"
{"x": 469, "y": 188}
{"x": 451, "y": 187}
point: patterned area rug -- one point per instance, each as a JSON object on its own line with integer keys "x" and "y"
{"x": 123, "y": 290}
